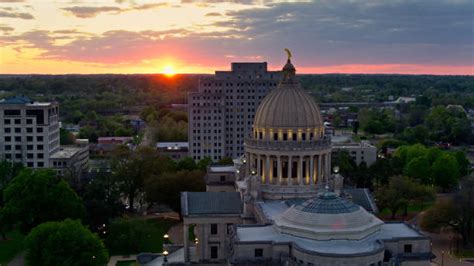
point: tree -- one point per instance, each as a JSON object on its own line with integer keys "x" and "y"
{"x": 445, "y": 171}
{"x": 204, "y": 163}
{"x": 187, "y": 163}
{"x": 101, "y": 198}
{"x": 355, "y": 127}
{"x": 64, "y": 243}
{"x": 226, "y": 161}
{"x": 35, "y": 197}
{"x": 463, "y": 162}
{"x": 419, "y": 168}
{"x": 400, "y": 192}
{"x": 66, "y": 137}
{"x": 8, "y": 171}
{"x": 457, "y": 213}
{"x": 132, "y": 167}
{"x": 167, "y": 188}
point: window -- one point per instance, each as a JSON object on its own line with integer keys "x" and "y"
{"x": 29, "y": 156}
{"x": 29, "y": 147}
{"x": 29, "y": 164}
{"x": 275, "y": 136}
{"x": 407, "y": 248}
{"x": 8, "y": 130}
{"x": 8, "y": 147}
{"x": 258, "y": 252}
{"x": 18, "y": 138}
{"x": 285, "y": 136}
{"x": 214, "y": 254}
{"x": 17, "y": 130}
{"x": 6, "y": 121}
{"x": 40, "y": 156}
{"x": 39, "y": 130}
{"x": 29, "y": 130}
{"x": 17, "y": 147}
{"x": 40, "y": 164}
{"x": 17, "y": 121}
{"x": 8, "y": 156}
{"x": 303, "y": 136}
{"x": 222, "y": 178}
{"x": 8, "y": 138}
{"x": 29, "y": 121}
{"x": 39, "y": 138}
{"x": 29, "y": 138}
{"x": 213, "y": 229}
{"x": 18, "y": 156}
{"x": 11, "y": 112}
{"x": 39, "y": 147}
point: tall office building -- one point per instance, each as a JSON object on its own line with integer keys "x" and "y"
{"x": 221, "y": 112}
{"x": 29, "y": 131}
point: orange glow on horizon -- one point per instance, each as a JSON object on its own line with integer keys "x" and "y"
{"x": 169, "y": 71}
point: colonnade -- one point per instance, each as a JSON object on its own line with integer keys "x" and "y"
{"x": 290, "y": 169}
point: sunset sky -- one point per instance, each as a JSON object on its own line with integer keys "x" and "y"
{"x": 186, "y": 36}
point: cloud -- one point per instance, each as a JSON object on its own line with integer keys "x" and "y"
{"x": 6, "y": 28}
{"x": 89, "y": 11}
{"x": 213, "y": 14}
{"x": 93, "y": 11}
{"x": 20, "y": 15}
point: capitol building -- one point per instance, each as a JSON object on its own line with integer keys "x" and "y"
{"x": 282, "y": 204}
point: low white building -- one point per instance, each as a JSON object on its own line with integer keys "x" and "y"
{"x": 360, "y": 152}
{"x": 71, "y": 159}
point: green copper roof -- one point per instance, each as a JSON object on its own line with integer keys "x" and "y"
{"x": 329, "y": 203}
{"x": 21, "y": 99}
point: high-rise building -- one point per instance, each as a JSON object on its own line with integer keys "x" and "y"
{"x": 29, "y": 134}
{"x": 221, "y": 112}
{"x": 29, "y": 131}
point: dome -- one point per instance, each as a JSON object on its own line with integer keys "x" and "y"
{"x": 327, "y": 217}
{"x": 288, "y": 106}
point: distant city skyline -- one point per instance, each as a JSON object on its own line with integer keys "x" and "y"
{"x": 187, "y": 36}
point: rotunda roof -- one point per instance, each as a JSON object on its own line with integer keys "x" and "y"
{"x": 327, "y": 217}
{"x": 288, "y": 106}
{"x": 329, "y": 203}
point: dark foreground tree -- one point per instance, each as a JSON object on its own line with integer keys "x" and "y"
{"x": 8, "y": 170}
{"x": 64, "y": 243}
{"x": 457, "y": 213}
{"x": 167, "y": 188}
{"x": 400, "y": 192}
{"x": 35, "y": 197}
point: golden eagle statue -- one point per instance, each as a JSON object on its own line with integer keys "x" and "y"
{"x": 288, "y": 53}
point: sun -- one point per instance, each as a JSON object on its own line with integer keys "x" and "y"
{"x": 169, "y": 71}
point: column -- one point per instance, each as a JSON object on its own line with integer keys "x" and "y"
{"x": 279, "y": 170}
{"x": 259, "y": 168}
{"x": 290, "y": 164}
{"x": 267, "y": 169}
{"x": 320, "y": 179}
{"x": 328, "y": 167}
{"x": 300, "y": 170}
{"x": 306, "y": 171}
{"x": 185, "y": 240}
{"x": 311, "y": 170}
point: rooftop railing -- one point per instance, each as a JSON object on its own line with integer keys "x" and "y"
{"x": 289, "y": 144}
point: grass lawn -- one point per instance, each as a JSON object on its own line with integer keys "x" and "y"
{"x": 413, "y": 208}
{"x": 464, "y": 253}
{"x": 9, "y": 248}
{"x": 126, "y": 263}
{"x": 136, "y": 235}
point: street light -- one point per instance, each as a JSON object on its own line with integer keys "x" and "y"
{"x": 336, "y": 169}
{"x": 165, "y": 253}
{"x": 253, "y": 172}
{"x": 166, "y": 238}
{"x": 442, "y": 258}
